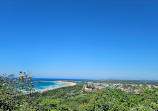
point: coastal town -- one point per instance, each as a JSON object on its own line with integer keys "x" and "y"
{"x": 126, "y": 87}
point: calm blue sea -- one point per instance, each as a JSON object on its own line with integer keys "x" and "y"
{"x": 44, "y": 85}
{"x": 47, "y": 83}
{"x": 58, "y": 79}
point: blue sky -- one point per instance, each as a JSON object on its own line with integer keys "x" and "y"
{"x": 87, "y": 39}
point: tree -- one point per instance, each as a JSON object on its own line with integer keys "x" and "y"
{"x": 11, "y": 88}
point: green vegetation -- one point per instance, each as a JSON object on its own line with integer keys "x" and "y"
{"x": 71, "y": 98}
{"x": 11, "y": 89}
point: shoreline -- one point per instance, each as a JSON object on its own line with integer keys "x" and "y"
{"x": 66, "y": 85}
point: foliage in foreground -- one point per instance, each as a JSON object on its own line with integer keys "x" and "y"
{"x": 12, "y": 88}
{"x": 71, "y": 98}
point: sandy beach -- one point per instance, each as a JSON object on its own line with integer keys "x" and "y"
{"x": 67, "y": 84}
{"x": 70, "y": 83}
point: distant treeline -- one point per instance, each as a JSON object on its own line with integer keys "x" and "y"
{"x": 151, "y": 82}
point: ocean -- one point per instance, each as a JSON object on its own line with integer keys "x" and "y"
{"x": 48, "y": 83}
